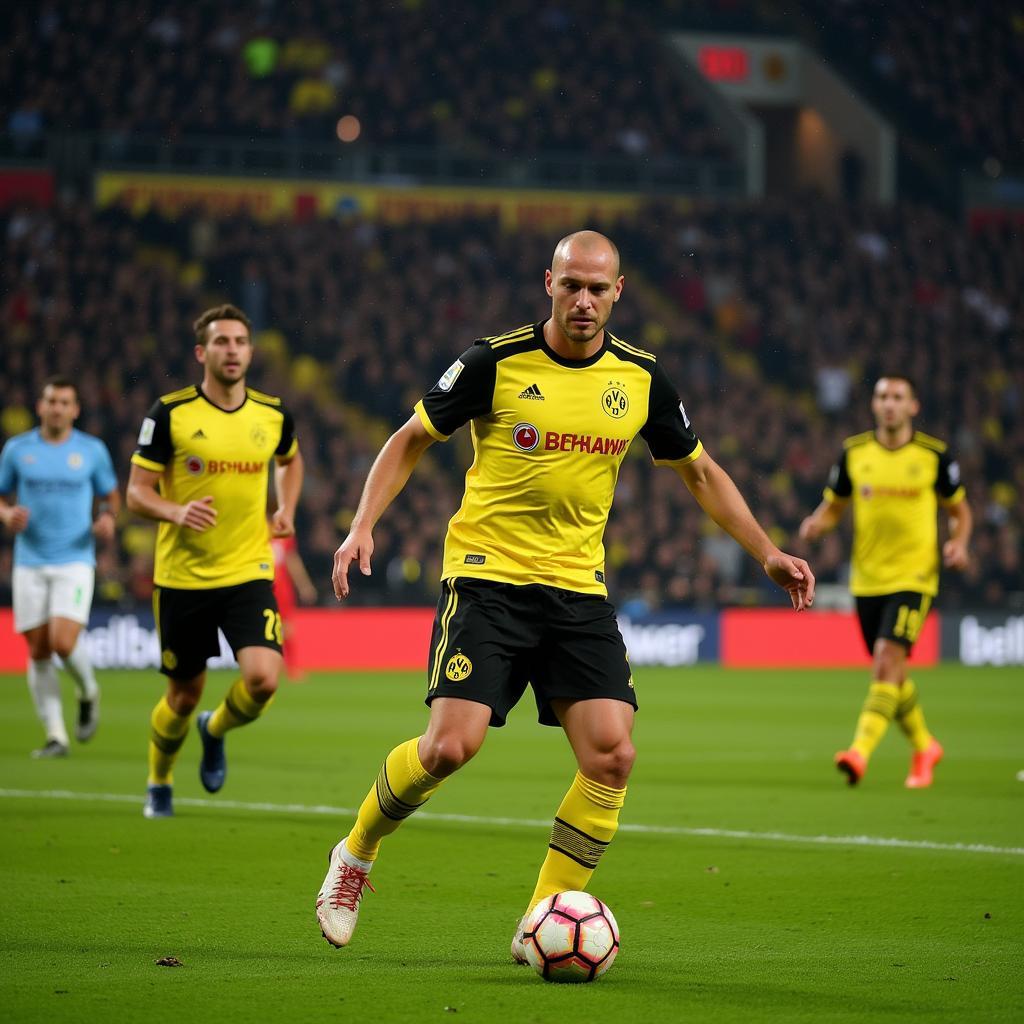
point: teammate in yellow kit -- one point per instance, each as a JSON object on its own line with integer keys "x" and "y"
{"x": 896, "y": 477}
{"x": 553, "y": 407}
{"x": 201, "y": 469}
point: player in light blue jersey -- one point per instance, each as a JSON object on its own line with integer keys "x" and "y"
{"x": 65, "y": 498}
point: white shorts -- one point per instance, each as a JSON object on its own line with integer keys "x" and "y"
{"x": 44, "y": 592}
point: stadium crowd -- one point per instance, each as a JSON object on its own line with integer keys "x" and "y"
{"x": 955, "y": 64}
{"x": 773, "y": 319}
{"x": 411, "y": 72}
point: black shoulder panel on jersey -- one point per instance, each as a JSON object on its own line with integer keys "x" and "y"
{"x": 859, "y": 439}
{"x": 927, "y": 441}
{"x": 522, "y": 339}
{"x": 181, "y": 395}
{"x": 631, "y": 354}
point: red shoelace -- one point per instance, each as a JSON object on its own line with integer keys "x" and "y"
{"x": 348, "y": 889}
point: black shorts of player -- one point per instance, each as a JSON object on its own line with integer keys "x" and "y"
{"x": 187, "y": 622}
{"x": 897, "y": 617}
{"x": 491, "y": 639}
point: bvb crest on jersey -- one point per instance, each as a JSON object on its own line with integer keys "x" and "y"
{"x": 615, "y": 401}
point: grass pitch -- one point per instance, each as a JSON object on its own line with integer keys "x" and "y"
{"x": 749, "y": 882}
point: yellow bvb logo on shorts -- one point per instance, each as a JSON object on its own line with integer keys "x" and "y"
{"x": 170, "y": 659}
{"x": 458, "y": 667}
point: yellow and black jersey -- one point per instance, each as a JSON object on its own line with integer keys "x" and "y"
{"x": 549, "y": 435}
{"x": 203, "y": 450}
{"x": 895, "y": 504}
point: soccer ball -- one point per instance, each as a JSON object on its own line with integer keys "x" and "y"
{"x": 571, "y": 936}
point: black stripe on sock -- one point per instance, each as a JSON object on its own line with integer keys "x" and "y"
{"x": 166, "y": 744}
{"x": 575, "y": 844}
{"x": 390, "y": 806}
{"x": 237, "y": 711}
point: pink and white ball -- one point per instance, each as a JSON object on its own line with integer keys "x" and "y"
{"x": 571, "y": 936}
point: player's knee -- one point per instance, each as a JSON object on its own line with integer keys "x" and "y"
{"x": 611, "y": 767}
{"x": 39, "y": 650}
{"x": 445, "y": 753}
{"x": 183, "y": 702}
{"x": 62, "y": 648}
{"x": 262, "y": 685}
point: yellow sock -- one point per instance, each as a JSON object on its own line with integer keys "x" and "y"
{"x": 910, "y": 717}
{"x": 402, "y": 785}
{"x": 239, "y": 707}
{"x": 585, "y": 824}
{"x": 167, "y": 732}
{"x": 878, "y": 711}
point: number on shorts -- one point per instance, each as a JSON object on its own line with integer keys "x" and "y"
{"x": 909, "y": 620}
{"x": 272, "y": 627}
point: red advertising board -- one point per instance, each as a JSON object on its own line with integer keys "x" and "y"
{"x": 778, "y": 637}
{"x": 399, "y": 638}
{"x": 362, "y": 638}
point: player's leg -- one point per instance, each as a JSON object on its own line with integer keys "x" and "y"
{"x": 927, "y": 751}
{"x": 582, "y": 681}
{"x": 884, "y": 625}
{"x": 70, "y": 603}
{"x": 410, "y": 775}
{"x": 599, "y": 732}
{"x": 252, "y": 625}
{"x": 246, "y": 700}
{"x": 188, "y": 636}
{"x": 31, "y": 592}
{"x": 468, "y": 689}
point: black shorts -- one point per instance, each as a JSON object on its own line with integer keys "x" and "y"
{"x": 187, "y": 622}
{"x": 491, "y": 639}
{"x": 897, "y": 617}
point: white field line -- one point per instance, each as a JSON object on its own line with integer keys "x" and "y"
{"x": 480, "y": 820}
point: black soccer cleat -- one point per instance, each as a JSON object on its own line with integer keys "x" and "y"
{"x": 213, "y": 768}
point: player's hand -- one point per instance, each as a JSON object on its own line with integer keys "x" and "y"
{"x": 357, "y": 546}
{"x": 954, "y": 554}
{"x": 17, "y": 518}
{"x": 810, "y": 529}
{"x": 282, "y": 524}
{"x": 197, "y": 515}
{"x": 794, "y": 576}
{"x": 308, "y": 595}
{"x": 103, "y": 526}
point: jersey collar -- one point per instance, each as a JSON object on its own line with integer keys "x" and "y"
{"x": 570, "y": 364}
{"x": 227, "y": 412}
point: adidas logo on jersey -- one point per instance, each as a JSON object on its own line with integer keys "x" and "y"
{"x": 199, "y": 435}
{"x": 532, "y": 393}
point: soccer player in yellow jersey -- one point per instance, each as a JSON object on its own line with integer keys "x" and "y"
{"x": 896, "y": 477}
{"x": 553, "y": 408}
{"x": 201, "y": 469}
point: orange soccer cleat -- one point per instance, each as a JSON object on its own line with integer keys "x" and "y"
{"x": 922, "y": 766}
{"x": 852, "y": 764}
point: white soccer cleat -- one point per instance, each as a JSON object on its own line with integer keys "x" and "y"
{"x": 518, "y": 948}
{"x": 337, "y": 903}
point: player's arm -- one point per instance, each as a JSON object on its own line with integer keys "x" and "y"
{"x": 823, "y": 519}
{"x": 827, "y": 515}
{"x": 288, "y": 477}
{"x": 388, "y": 475}
{"x": 104, "y": 514}
{"x": 14, "y": 517}
{"x": 961, "y": 523}
{"x": 954, "y": 499}
{"x": 144, "y": 499}
{"x": 721, "y": 500}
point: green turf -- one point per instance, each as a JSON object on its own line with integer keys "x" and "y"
{"x": 758, "y": 927}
